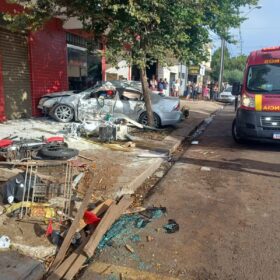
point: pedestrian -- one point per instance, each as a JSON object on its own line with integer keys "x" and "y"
{"x": 165, "y": 86}
{"x": 211, "y": 91}
{"x": 205, "y": 92}
{"x": 199, "y": 91}
{"x": 153, "y": 83}
{"x": 176, "y": 88}
{"x": 216, "y": 92}
{"x": 194, "y": 94}
{"x": 160, "y": 86}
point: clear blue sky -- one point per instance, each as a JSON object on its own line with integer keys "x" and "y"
{"x": 261, "y": 29}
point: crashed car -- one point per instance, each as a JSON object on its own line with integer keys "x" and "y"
{"x": 114, "y": 97}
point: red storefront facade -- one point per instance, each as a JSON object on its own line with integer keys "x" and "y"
{"x": 42, "y": 62}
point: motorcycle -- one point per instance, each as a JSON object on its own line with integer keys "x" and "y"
{"x": 12, "y": 149}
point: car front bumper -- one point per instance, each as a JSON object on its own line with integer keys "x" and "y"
{"x": 253, "y": 125}
{"x": 226, "y": 99}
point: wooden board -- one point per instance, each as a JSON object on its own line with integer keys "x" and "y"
{"x": 113, "y": 213}
{"x": 62, "y": 269}
{"x": 99, "y": 210}
{"x": 75, "y": 224}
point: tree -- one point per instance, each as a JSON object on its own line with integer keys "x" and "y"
{"x": 151, "y": 30}
{"x": 233, "y": 66}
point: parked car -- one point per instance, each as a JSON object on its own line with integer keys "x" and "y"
{"x": 226, "y": 96}
{"x": 113, "y": 97}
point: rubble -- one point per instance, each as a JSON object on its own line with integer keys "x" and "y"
{"x": 171, "y": 227}
{"x": 205, "y": 168}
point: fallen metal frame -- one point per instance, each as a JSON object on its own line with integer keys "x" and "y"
{"x": 33, "y": 193}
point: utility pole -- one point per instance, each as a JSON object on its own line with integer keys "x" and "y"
{"x": 222, "y": 61}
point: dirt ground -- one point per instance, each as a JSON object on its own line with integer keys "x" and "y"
{"x": 228, "y": 216}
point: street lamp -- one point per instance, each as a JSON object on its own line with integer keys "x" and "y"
{"x": 240, "y": 34}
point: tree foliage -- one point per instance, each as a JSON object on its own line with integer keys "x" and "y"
{"x": 143, "y": 31}
{"x": 233, "y": 66}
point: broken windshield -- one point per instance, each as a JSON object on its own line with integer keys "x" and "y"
{"x": 264, "y": 78}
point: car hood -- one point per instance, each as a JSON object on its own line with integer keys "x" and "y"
{"x": 59, "y": 94}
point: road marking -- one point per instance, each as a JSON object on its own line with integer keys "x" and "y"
{"x": 126, "y": 272}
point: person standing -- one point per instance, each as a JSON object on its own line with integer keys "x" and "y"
{"x": 165, "y": 87}
{"x": 205, "y": 92}
{"x": 153, "y": 83}
{"x": 160, "y": 86}
{"x": 216, "y": 92}
{"x": 176, "y": 88}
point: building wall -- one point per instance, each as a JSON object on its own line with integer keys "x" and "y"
{"x": 48, "y": 61}
{"x": 2, "y": 98}
{"x": 122, "y": 71}
{"x": 16, "y": 74}
{"x": 172, "y": 73}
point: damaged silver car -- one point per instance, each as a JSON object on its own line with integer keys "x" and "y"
{"x": 111, "y": 97}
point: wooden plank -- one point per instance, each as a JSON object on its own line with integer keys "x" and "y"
{"x": 75, "y": 224}
{"x": 99, "y": 210}
{"x": 114, "y": 212}
{"x": 62, "y": 269}
{"x": 110, "y": 217}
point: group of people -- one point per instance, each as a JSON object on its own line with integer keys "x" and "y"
{"x": 160, "y": 85}
{"x": 201, "y": 91}
{"x": 192, "y": 91}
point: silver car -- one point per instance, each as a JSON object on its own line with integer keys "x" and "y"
{"x": 114, "y": 97}
{"x": 226, "y": 96}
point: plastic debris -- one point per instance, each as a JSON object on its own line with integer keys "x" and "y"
{"x": 154, "y": 212}
{"x": 135, "y": 238}
{"x": 171, "y": 227}
{"x": 129, "y": 248}
{"x": 149, "y": 238}
{"x": 141, "y": 222}
{"x": 205, "y": 168}
{"x": 194, "y": 142}
{"x": 5, "y": 242}
{"x": 91, "y": 218}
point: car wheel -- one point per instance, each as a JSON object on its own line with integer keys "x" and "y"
{"x": 144, "y": 119}
{"x": 235, "y": 134}
{"x": 63, "y": 113}
{"x": 57, "y": 152}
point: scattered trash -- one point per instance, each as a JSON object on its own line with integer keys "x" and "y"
{"x": 135, "y": 238}
{"x": 154, "y": 212}
{"x": 194, "y": 142}
{"x": 129, "y": 248}
{"x": 171, "y": 227}
{"x": 159, "y": 174}
{"x": 149, "y": 238}
{"x": 5, "y": 242}
{"x": 205, "y": 168}
{"x": 141, "y": 222}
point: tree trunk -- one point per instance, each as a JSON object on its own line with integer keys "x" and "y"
{"x": 147, "y": 97}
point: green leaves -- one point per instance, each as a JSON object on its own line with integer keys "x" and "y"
{"x": 152, "y": 28}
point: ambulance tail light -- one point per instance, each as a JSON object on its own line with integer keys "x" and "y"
{"x": 248, "y": 101}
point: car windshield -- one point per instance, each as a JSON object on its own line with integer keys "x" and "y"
{"x": 264, "y": 78}
{"x": 228, "y": 89}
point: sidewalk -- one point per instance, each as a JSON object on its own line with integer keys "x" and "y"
{"x": 121, "y": 172}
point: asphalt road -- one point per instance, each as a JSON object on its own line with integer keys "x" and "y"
{"x": 228, "y": 216}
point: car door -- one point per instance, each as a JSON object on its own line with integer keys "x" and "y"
{"x": 96, "y": 105}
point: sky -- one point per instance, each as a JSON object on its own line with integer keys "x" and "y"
{"x": 261, "y": 29}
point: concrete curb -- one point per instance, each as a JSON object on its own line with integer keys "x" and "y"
{"x": 173, "y": 141}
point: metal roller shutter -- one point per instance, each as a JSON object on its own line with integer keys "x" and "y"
{"x": 16, "y": 74}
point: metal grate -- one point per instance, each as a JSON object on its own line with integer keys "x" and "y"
{"x": 270, "y": 122}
